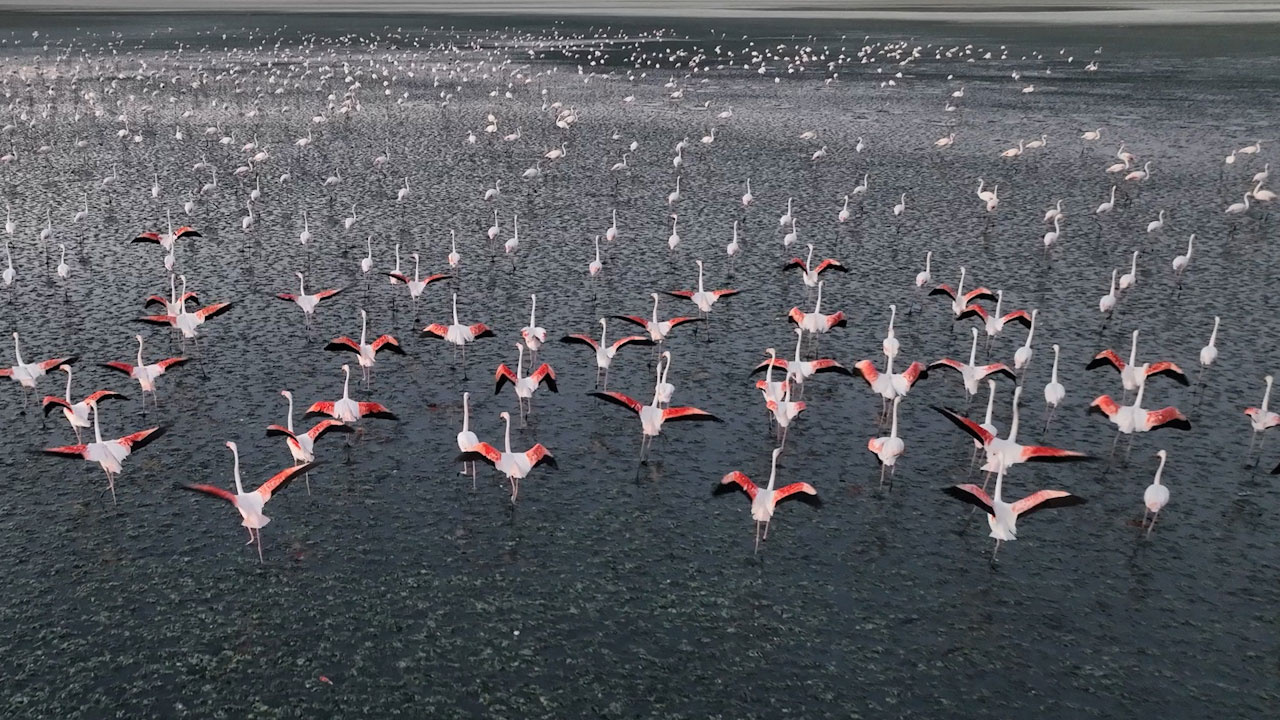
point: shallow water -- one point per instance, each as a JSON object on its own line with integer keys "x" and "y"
{"x": 619, "y": 590}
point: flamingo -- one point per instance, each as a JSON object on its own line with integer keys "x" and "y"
{"x": 175, "y": 301}
{"x": 458, "y": 334}
{"x": 747, "y": 197}
{"x": 844, "y": 214}
{"x": 26, "y": 374}
{"x": 1002, "y": 516}
{"x": 1130, "y": 278}
{"x": 764, "y": 501}
{"x": 188, "y": 322}
{"x": 611, "y": 234}
{"x": 703, "y": 298}
{"x": 652, "y": 416}
{"x": 1004, "y": 453}
{"x": 524, "y": 385}
{"x": 1261, "y": 418}
{"x": 924, "y": 277}
{"x": 861, "y": 188}
{"x": 784, "y": 411}
{"x": 1156, "y": 224}
{"x": 1054, "y": 392}
{"x": 347, "y": 222}
{"x": 1107, "y": 206}
{"x": 1131, "y": 419}
{"x": 365, "y": 351}
{"x": 417, "y": 285}
{"x": 994, "y": 322}
{"x": 1156, "y": 496}
{"x": 604, "y": 351}
{"x": 347, "y": 410}
{"x": 890, "y": 344}
{"x": 673, "y": 197}
{"x": 888, "y": 449}
{"x": 76, "y": 413}
{"x": 960, "y": 300}
{"x": 657, "y": 329}
{"x": 1022, "y": 358}
{"x": 889, "y": 385}
{"x": 308, "y": 302}
{"x": 971, "y": 374}
{"x": 454, "y": 258}
{"x": 108, "y": 454}
{"x": 1107, "y": 302}
{"x": 532, "y": 334}
{"x": 166, "y": 240}
{"x": 1052, "y": 236}
{"x": 809, "y": 273}
{"x": 494, "y": 229}
{"x": 1133, "y": 375}
{"x": 786, "y": 217}
{"x": 901, "y": 206}
{"x": 10, "y": 274}
{"x": 1054, "y": 212}
{"x": 302, "y": 446}
{"x": 512, "y": 464}
{"x": 466, "y": 438}
{"x": 251, "y": 504}
{"x": 1013, "y": 152}
{"x": 772, "y": 390}
{"x": 1140, "y": 175}
{"x": 664, "y": 390}
{"x": 1209, "y": 353}
{"x": 145, "y": 374}
{"x": 797, "y": 370}
{"x": 816, "y": 322}
{"x": 1180, "y": 262}
{"x": 595, "y": 266}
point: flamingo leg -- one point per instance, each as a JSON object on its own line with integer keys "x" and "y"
{"x": 1150, "y": 527}
{"x": 996, "y": 551}
{"x": 260, "y": 560}
{"x": 757, "y": 536}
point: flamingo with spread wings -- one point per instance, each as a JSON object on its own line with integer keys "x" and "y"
{"x": 251, "y": 504}
{"x": 76, "y": 413}
{"x": 764, "y": 501}
{"x": 365, "y": 351}
{"x": 515, "y": 465}
{"x": 146, "y": 374}
{"x": 1003, "y": 516}
{"x": 302, "y": 445}
{"x": 347, "y": 410}
{"x": 108, "y": 454}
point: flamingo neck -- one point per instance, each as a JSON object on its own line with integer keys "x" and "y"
{"x": 97, "y": 429}
{"x": 17, "y": 351}
{"x": 1054, "y": 376}
{"x": 466, "y": 414}
{"x": 68, "y": 386}
{"x": 1032, "y": 332}
{"x": 1133, "y": 349}
{"x": 364, "y": 324}
{"x": 289, "y": 418}
{"x": 519, "y": 361}
{"x": 1013, "y": 424}
{"x": 455, "y": 309}
{"x": 773, "y": 471}
{"x": 893, "y": 429}
{"x": 1213, "y": 337}
{"x": 973, "y": 350}
{"x": 235, "y": 470}
{"x": 533, "y": 309}
{"x": 1266, "y": 397}
{"x": 506, "y": 440}
{"x": 1159, "y": 470}
{"x": 346, "y": 381}
{"x": 999, "y": 486}
{"x": 139, "y": 353}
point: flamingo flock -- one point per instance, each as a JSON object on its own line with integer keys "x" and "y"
{"x": 301, "y": 118}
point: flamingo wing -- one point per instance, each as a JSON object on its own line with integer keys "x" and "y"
{"x": 123, "y": 367}
{"x": 1106, "y": 357}
{"x": 142, "y": 438}
{"x": 343, "y": 343}
{"x": 172, "y": 362}
{"x": 979, "y": 292}
{"x": 948, "y": 362}
{"x": 687, "y": 413}
{"x": 973, "y": 495}
{"x": 829, "y": 365}
{"x": 618, "y": 398}
{"x": 387, "y": 342}
{"x": 1043, "y": 453}
{"x": 944, "y": 290}
{"x": 502, "y": 376}
{"x": 148, "y": 237}
{"x": 480, "y": 330}
{"x": 686, "y": 294}
{"x": 776, "y": 362}
{"x": 868, "y": 371}
{"x": 1021, "y": 316}
{"x": 325, "y": 426}
{"x": 399, "y": 276}
{"x": 634, "y": 319}
{"x": 480, "y": 451}
{"x": 995, "y": 369}
{"x": 836, "y": 320}
{"x": 581, "y": 339}
{"x": 76, "y": 451}
{"x": 321, "y": 408}
{"x": 374, "y": 410}
{"x": 796, "y": 315}
{"x": 324, "y": 294}
{"x": 433, "y": 278}
{"x": 831, "y": 264}
{"x": 742, "y": 481}
{"x": 724, "y": 293}
{"x": 540, "y": 455}
{"x": 1105, "y": 405}
{"x": 1045, "y": 500}
{"x": 51, "y": 401}
{"x": 158, "y": 319}
{"x": 279, "y": 430}
{"x": 915, "y": 371}
{"x": 212, "y": 490}
{"x": 978, "y": 432}
{"x": 437, "y": 329}
{"x": 101, "y": 395}
{"x": 52, "y": 363}
{"x": 1168, "y": 416}
{"x": 153, "y": 299}
{"x": 795, "y": 262}
{"x": 281, "y": 479}
{"x": 798, "y": 487}
{"x": 186, "y": 231}
{"x": 678, "y": 321}
{"x": 1169, "y": 369}
{"x": 637, "y": 339}
{"x": 972, "y": 310}
{"x": 544, "y": 374}
{"x": 213, "y": 310}
{"x": 290, "y": 297}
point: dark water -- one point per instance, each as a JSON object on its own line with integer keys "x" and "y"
{"x": 615, "y": 590}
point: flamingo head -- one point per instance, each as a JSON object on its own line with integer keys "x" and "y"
{"x": 138, "y": 338}
{"x": 466, "y": 396}
{"x": 505, "y": 415}
{"x": 231, "y": 445}
{"x": 299, "y": 275}
{"x": 287, "y": 394}
{"x": 65, "y": 368}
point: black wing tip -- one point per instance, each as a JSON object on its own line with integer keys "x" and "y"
{"x": 1179, "y": 424}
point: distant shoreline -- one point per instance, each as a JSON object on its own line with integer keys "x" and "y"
{"x": 1005, "y": 12}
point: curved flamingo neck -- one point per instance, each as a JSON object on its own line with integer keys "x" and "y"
{"x": 139, "y": 352}
{"x": 1159, "y": 470}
